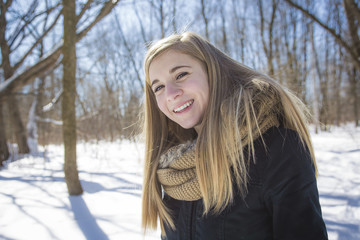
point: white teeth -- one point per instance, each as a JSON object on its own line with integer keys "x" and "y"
{"x": 183, "y": 106}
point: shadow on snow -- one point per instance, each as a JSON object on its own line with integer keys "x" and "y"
{"x": 345, "y": 231}
{"x": 85, "y": 220}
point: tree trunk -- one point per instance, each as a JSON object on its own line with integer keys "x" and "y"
{"x": 352, "y": 16}
{"x": 324, "y": 89}
{"x": 68, "y": 98}
{"x": 223, "y": 30}
{"x": 39, "y": 111}
{"x": 353, "y": 84}
{"x": 336, "y": 77}
{"x": 4, "y": 151}
{"x": 205, "y": 18}
{"x": 18, "y": 126}
{"x": 268, "y": 44}
{"x": 14, "y": 113}
{"x": 162, "y": 18}
{"x": 32, "y": 128}
{"x": 239, "y": 29}
{"x": 315, "y": 64}
{"x": 173, "y": 21}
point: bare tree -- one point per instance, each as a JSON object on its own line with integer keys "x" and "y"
{"x": 353, "y": 19}
{"x": 337, "y": 76}
{"x": 4, "y": 151}
{"x": 268, "y": 43}
{"x": 223, "y": 28}
{"x": 173, "y": 21}
{"x": 317, "y": 70}
{"x": 165, "y": 15}
{"x": 129, "y": 50}
{"x": 205, "y": 18}
{"x": 51, "y": 58}
{"x": 68, "y": 98}
{"x": 239, "y": 28}
{"x": 324, "y": 87}
{"x": 354, "y": 78}
{"x": 16, "y": 75}
{"x": 352, "y": 46}
{"x": 337, "y": 66}
{"x": 290, "y": 33}
{"x": 140, "y": 21}
{"x": 8, "y": 46}
{"x": 160, "y": 14}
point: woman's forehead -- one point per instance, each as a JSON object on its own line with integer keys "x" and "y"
{"x": 169, "y": 61}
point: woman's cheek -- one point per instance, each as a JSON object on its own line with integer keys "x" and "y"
{"x": 161, "y": 105}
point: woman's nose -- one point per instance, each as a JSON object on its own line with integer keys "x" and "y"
{"x": 172, "y": 91}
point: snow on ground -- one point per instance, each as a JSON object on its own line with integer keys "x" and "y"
{"x": 338, "y": 157}
{"x": 34, "y": 203}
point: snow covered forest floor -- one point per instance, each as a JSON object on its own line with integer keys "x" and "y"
{"x": 34, "y": 203}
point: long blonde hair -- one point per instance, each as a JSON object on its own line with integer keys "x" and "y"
{"x": 230, "y": 110}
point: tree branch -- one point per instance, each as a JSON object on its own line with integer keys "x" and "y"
{"x": 8, "y": 4}
{"x": 332, "y": 32}
{"x": 83, "y": 10}
{"x": 352, "y": 24}
{"x": 19, "y": 80}
{"x": 354, "y": 8}
{"x": 140, "y": 22}
{"x": 19, "y": 63}
{"x": 108, "y": 6}
{"x": 50, "y": 60}
{"x": 129, "y": 51}
{"x": 262, "y": 27}
{"x": 27, "y": 18}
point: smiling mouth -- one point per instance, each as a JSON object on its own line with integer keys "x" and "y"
{"x": 186, "y": 105}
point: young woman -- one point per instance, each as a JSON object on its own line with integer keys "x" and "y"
{"x": 228, "y": 154}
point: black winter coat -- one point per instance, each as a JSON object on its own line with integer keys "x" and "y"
{"x": 282, "y": 200}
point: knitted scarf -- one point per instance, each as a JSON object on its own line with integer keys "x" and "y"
{"x": 177, "y": 171}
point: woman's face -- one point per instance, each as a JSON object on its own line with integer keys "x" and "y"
{"x": 180, "y": 84}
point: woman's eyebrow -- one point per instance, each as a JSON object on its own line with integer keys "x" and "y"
{"x": 177, "y": 67}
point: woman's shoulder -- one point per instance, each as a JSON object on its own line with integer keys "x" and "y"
{"x": 280, "y": 153}
{"x": 282, "y": 157}
{"x": 281, "y": 134}
{"x": 279, "y": 140}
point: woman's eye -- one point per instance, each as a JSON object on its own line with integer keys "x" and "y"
{"x": 158, "y": 88}
{"x": 181, "y": 75}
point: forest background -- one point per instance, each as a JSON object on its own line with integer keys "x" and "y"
{"x": 73, "y": 70}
